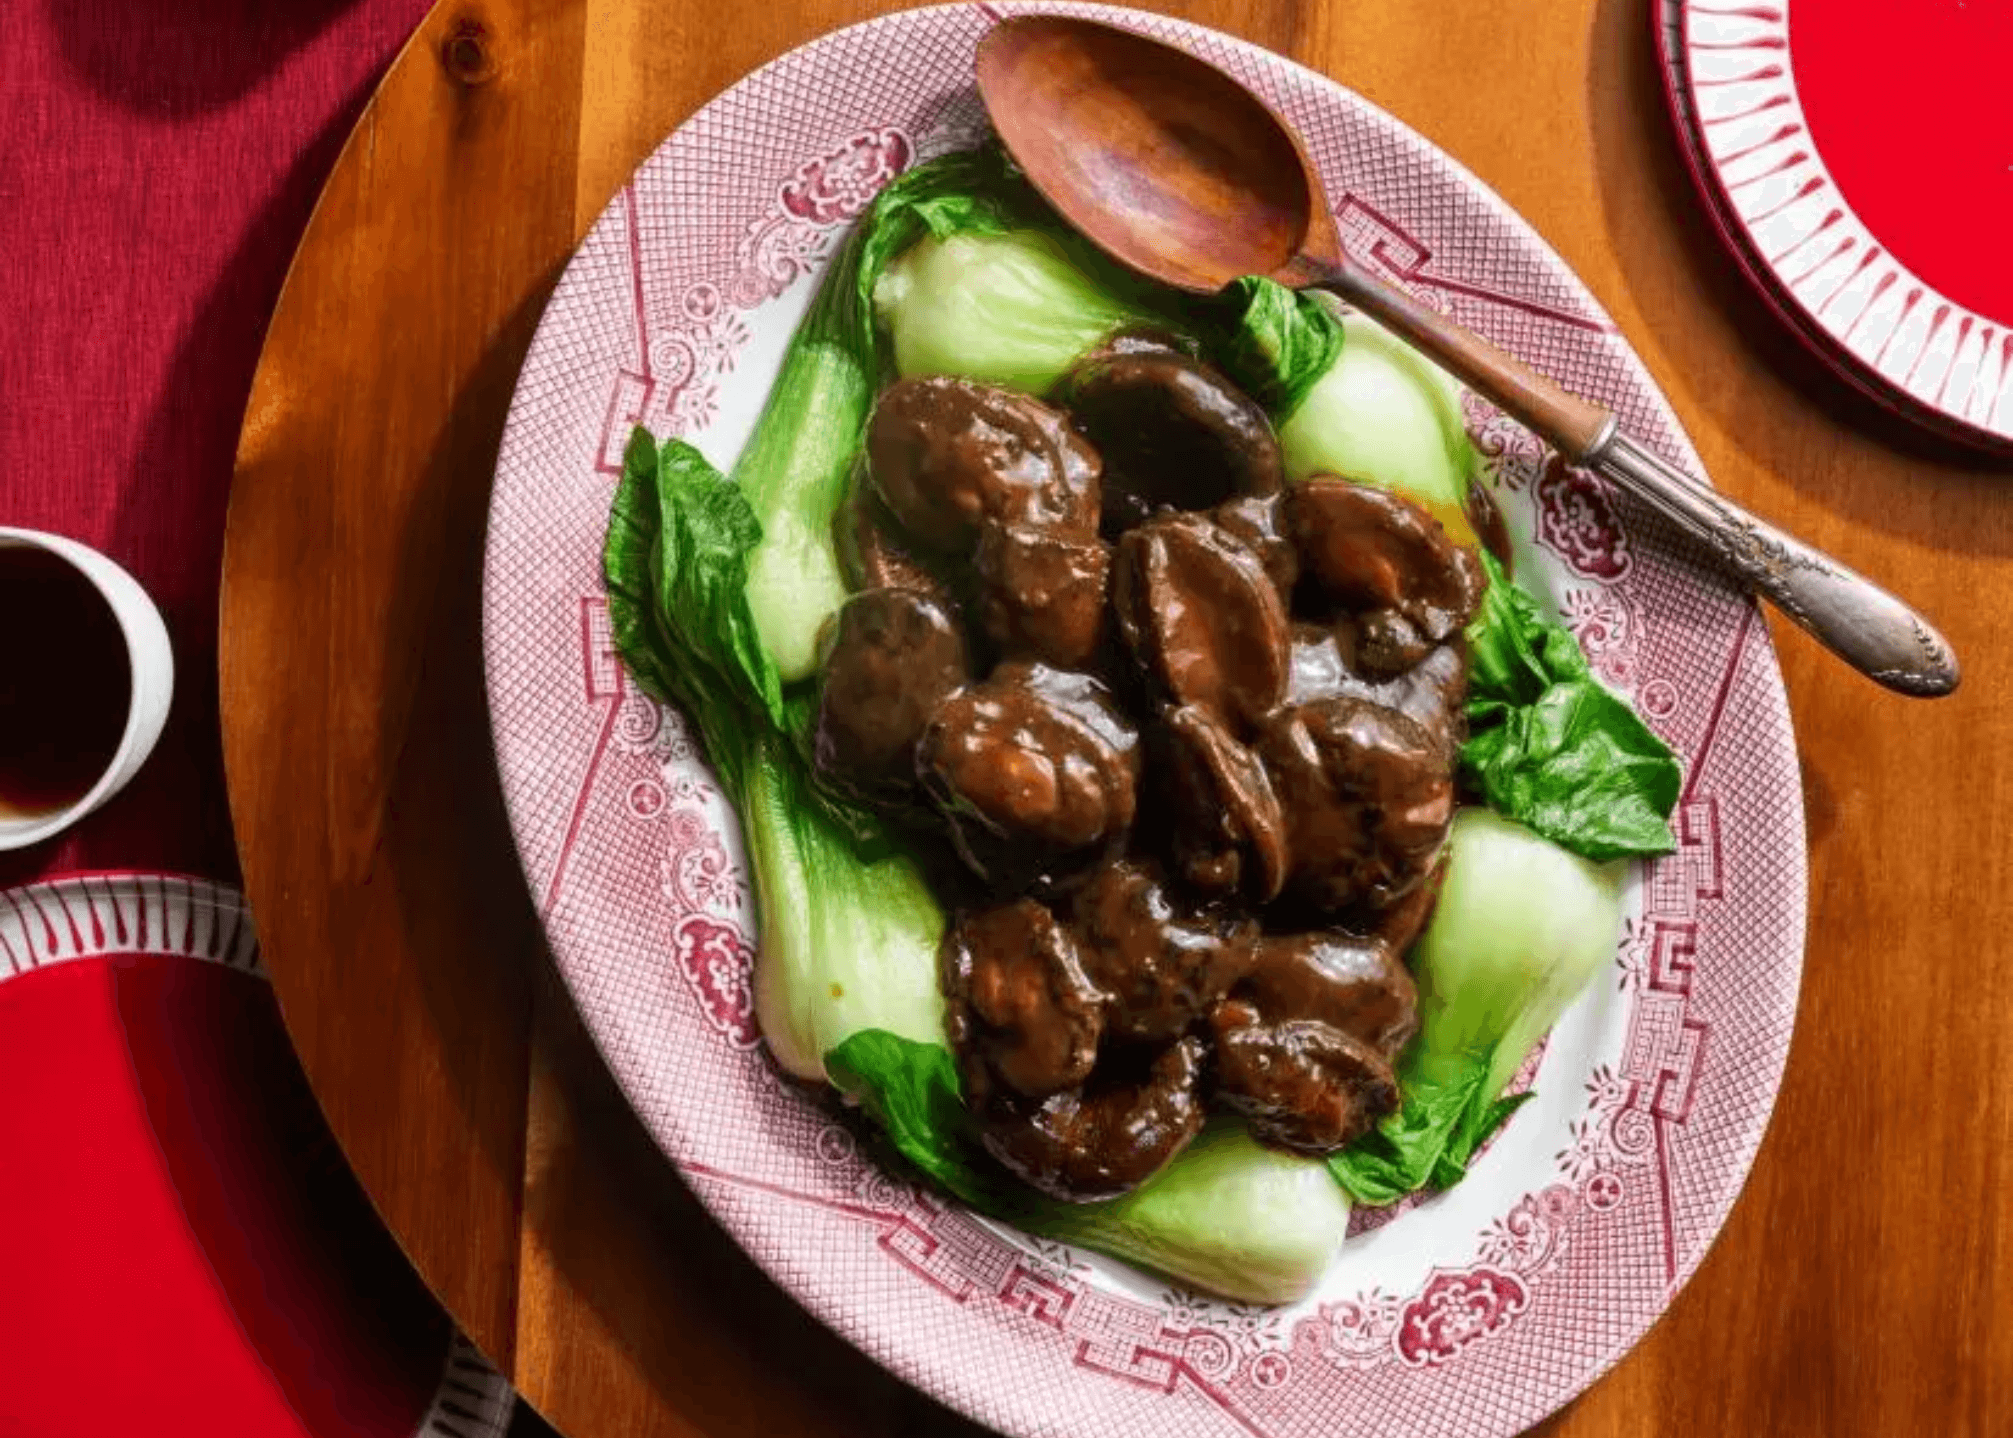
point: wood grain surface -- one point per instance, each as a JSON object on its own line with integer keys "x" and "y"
{"x": 1856, "y": 1289}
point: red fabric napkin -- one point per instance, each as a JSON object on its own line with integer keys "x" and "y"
{"x": 161, "y": 159}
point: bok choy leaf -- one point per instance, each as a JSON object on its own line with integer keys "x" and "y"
{"x": 675, "y": 563}
{"x": 1278, "y": 344}
{"x": 1552, "y": 748}
{"x": 848, "y": 943}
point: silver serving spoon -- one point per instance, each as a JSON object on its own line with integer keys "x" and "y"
{"x": 1177, "y": 170}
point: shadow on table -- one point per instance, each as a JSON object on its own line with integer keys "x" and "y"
{"x": 179, "y": 58}
{"x": 527, "y": 1424}
{"x": 470, "y": 931}
{"x": 1672, "y": 257}
{"x": 183, "y": 468}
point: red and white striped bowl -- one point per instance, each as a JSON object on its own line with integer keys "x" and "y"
{"x": 181, "y": 1249}
{"x": 1852, "y": 153}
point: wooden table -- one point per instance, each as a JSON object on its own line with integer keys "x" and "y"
{"x": 1860, "y": 1284}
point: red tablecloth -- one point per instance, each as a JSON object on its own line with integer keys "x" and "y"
{"x": 178, "y": 1268}
{"x": 159, "y": 164}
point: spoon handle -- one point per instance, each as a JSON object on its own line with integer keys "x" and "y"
{"x": 1847, "y": 613}
{"x": 1573, "y": 426}
{"x": 1851, "y": 616}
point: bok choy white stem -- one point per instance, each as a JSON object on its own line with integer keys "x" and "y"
{"x": 1520, "y": 930}
{"x": 1012, "y": 309}
{"x": 848, "y": 944}
{"x": 1348, "y": 398}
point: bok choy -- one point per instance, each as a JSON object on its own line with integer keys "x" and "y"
{"x": 1526, "y": 916}
{"x": 1520, "y": 929}
{"x": 796, "y": 465}
{"x": 1008, "y": 309}
{"x": 721, "y": 590}
{"x": 1227, "y": 1215}
{"x": 1549, "y": 746}
{"x": 1349, "y": 399}
{"x": 848, "y": 943}
{"x": 968, "y": 273}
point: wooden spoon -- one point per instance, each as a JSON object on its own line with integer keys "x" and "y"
{"x": 1183, "y": 174}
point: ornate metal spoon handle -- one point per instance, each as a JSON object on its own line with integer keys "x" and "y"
{"x": 1851, "y": 616}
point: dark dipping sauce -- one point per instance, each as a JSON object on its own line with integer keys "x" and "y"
{"x": 1189, "y": 735}
{"x": 63, "y": 705}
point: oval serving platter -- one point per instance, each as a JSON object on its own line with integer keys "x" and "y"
{"x": 1473, "y": 1313}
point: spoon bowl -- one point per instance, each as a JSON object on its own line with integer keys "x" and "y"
{"x": 1162, "y": 159}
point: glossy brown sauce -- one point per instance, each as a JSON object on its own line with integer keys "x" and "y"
{"x": 1190, "y": 736}
{"x": 1490, "y": 527}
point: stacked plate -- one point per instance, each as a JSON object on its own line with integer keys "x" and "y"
{"x": 181, "y": 1248}
{"x": 1855, "y": 156}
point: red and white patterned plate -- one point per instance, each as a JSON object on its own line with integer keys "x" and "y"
{"x": 1474, "y": 1313}
{"x": 1853, "y": 155}
{"x": 176, "y": 1250}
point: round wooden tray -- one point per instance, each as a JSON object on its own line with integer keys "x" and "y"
{"x": 407, "y": 955}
